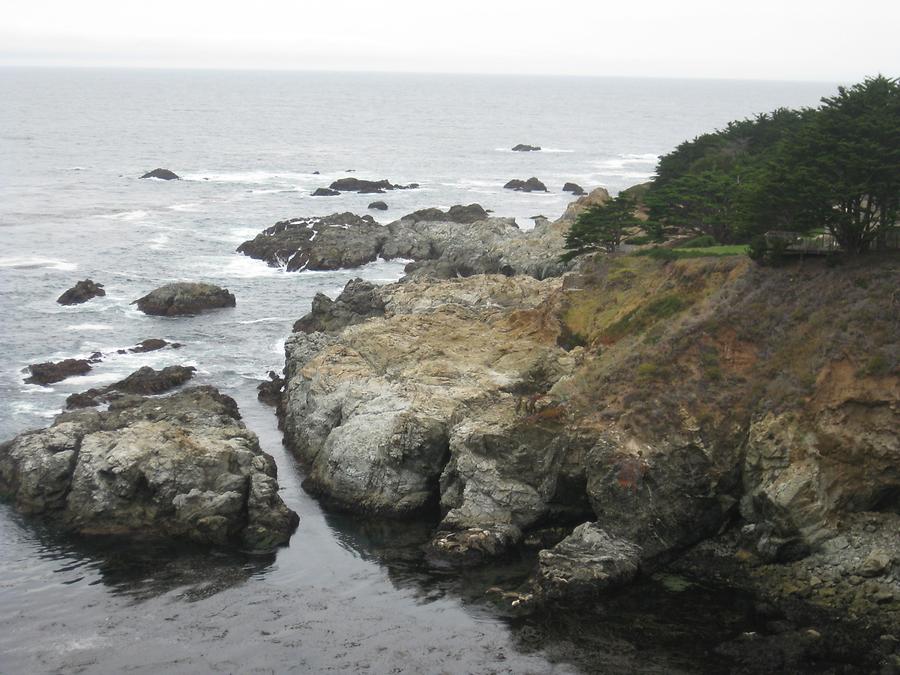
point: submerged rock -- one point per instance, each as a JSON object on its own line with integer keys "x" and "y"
{"x": 325, "y": 192}
{"x": 177, "y": 468}
{"x": 530, "y": 185}
{"x": 81, "y": 292}
{"x": 144, "y": 382}
{"x": 57, "y": 371}
{"x": 161, "y": 174}
{"x": 378, "y": 206}
{"x": 184, "y": 298}
{"x": 522, "y": 147}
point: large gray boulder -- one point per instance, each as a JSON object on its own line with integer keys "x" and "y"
{"x": 184, "y": 298}
{"x": 585, "y": 564}
{"x": 338, "y": 241}
{"x": 177, "y": 468}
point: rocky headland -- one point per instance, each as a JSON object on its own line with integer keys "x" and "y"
{"x": 461, "y": 241}
{"x": 177, "y": 468}
{"x": 626, "y": 416}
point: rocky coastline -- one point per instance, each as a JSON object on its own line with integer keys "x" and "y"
{"x": 622, "y": 416}
{"x": 632, "y": 416}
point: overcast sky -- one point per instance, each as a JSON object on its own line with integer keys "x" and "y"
{"x": 763, "y": 39}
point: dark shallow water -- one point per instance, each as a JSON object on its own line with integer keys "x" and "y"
{"x": 346, "y": 595}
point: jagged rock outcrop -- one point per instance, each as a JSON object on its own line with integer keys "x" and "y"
{"x": 462, "y": 241}
{"x": 530, "y": 185}
{"x": 368, "y": 186}
{"x": 574, "y": 188}
{"x": 51, "y": 372}
{"x": 337, "y": 241}
{"x": 585, "y": 564}
{"x": 161, "y": 174}
{"x": 358, "y": 301}
{"x": 177, "y": 468}
{"x": 145, "y": 381}
{"x": 81, "y": 292}
{"x": 374, "y": 410}
{"x": 596, "y": 197}
{"x": 149, "y": 345}
{"x": 184, "y": 298}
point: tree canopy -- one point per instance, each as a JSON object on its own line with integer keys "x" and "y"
{"x": 835, "y": 167}
{"x": 600, "y": 227}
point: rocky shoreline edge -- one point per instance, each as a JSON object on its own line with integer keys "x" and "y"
{"x": 624, "y": 416}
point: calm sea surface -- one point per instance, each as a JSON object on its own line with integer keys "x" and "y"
{"x": 345, "y": 596}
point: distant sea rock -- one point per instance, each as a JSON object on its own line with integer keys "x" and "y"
{"x": 530, "y": 185}
{"x": 180, "y": 468}
{"x": 574, "y": 188}
{"x": 522, "y": 147}
{"x": 184, "y": 298}
{"x": 368, "y": 186}
{"x": 162, "y": 174}
{"x": 325, "y": 192}
{"x": 81, "y": 292}
{"x": 57, "y": 371}
{"x": 378, "y": 206}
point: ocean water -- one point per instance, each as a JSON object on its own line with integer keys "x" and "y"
{"x": 345, "y": 596}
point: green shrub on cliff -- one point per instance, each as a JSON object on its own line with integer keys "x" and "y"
{"x": 600, "y": 228}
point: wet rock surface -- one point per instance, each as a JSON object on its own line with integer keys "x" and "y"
{"x": 325, "y": 192}
{"x": 584, "y": 565}
{"x": 149, "y": 345}
{"x": 51, "y": 372}
{"x": 182, "y": 467}
{"x": 161, "y": 174}
{"x": 574, "y": 188}
{"x": 145, "y": 381}
{"x": 81, "y": 292}
{"x": 184, "y": 298}
{"x": 378, "y": 206}
{"x": 338, "y": 241}
{"x": 530, "y": 185}
{"x": 368, "y": 186}
{"x": 524, "y": 147}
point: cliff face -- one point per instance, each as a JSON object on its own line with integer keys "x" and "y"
{"x": 663, "y": 401}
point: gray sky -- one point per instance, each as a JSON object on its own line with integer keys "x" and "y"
{"x": 763, "y": 39}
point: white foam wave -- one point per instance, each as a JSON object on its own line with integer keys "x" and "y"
{"x": 189, "y": 207}
{"x": 247, "y": 177}
{"x": 25, "y": 262}
{"x": 643, "y": 157}
{"x": 89, "y": 326}
{"x": 267, "y": 319}
{"x": 159, "y": 241}
{"x": 137, "y": 214}
{"x": 242, "y": 267}
{"x": 25, "y": 408}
